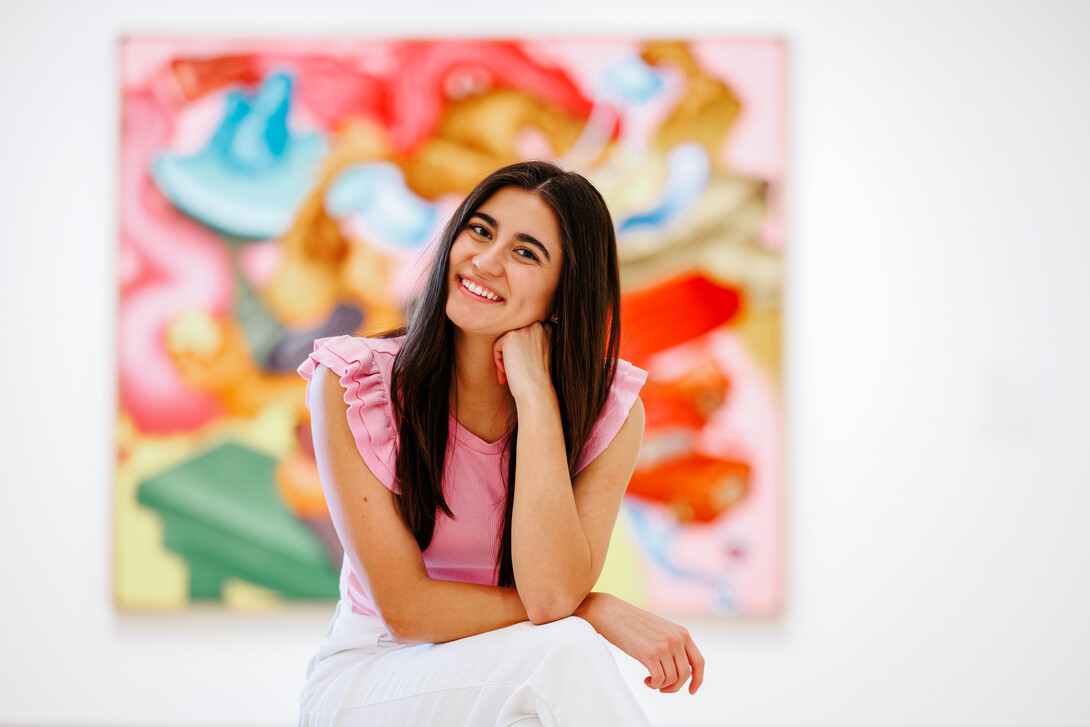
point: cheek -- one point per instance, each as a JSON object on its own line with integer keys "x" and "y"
{"x": 457, "y": 251}
{"x": 546, "y": 294}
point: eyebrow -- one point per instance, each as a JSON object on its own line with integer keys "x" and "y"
{"x": 521, "y": 236}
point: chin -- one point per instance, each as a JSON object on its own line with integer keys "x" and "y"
{"x": 468, "y": 324}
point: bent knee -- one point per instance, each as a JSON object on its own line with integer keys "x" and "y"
{"x": 570, "y": 635}
{"x": 568, "y": 649}
{"x": 571, "y": 627}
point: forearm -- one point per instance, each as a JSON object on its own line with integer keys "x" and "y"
{"x": 435, "y": 611}
{"x": 550, "y": 554}
{"x": 595, "y": 609}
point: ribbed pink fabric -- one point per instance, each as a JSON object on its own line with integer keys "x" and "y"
{"x": 464, "y": 548}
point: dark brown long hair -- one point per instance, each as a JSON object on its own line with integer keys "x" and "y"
{"x": 583, "y": 354}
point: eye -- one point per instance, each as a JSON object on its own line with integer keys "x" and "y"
{"x": 479, "y": 230}
{"x": 527, "y": 253}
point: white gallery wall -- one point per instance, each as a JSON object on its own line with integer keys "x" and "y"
{"x": 938, "y": 369}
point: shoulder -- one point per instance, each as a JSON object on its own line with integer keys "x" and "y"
{"x": 624, "y": 396}
{"x": 622, "y": 411}
{"x": 353, "y": 356}
{"x": 351, "y": 376}
{"x": 628, "y": 381}
{"x": 629, "y": 434}
{"x": 635, "y": 418}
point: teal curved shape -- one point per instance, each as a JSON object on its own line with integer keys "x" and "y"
{"x": 250, "y": 178}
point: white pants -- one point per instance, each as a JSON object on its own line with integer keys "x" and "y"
{"x": 559, "y": 674}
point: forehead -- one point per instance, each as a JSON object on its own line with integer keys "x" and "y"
{"x": 517, "y": 211}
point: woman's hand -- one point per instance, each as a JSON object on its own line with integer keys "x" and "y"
{"x": 522, "y": 358}
{"x": 665, "y": 648}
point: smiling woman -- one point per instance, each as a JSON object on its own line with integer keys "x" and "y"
{"x": 505, "y": 265}
{"x": 474, "y": 467}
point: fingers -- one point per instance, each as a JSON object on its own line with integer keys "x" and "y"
{"x": 521, "y": 356}
{"x": 537, "y": 331}
{"x": 669, "y": 671}
{"x": 501, "y": 372}
{"x": 665, "y": 649}
{"x": 681, "y": 668}
{"x": 665, "y": 661}
{"x": 696, "y": 660}
{"x": 657, "y": 676}
{"x": 683, "y": 663}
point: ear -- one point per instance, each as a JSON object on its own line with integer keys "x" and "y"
{"x": 554, "y": 307}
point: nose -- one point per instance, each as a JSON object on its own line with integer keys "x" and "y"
{"x": 488, "y": 261}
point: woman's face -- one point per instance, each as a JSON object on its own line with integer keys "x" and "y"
{"x": 504, "y": 265}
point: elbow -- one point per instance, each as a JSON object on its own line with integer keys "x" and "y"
{"x": 404, "y": 631}
{"x": 400, "y": 624}
{"x": 405, "y": 611}
{"x": 399, "y": 630}
{"x": 553, "y": 607}
{"x": 551, "y": 599}
{"x": 539, "y": 616}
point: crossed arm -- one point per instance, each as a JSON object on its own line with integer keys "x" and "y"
{"x": 560, "y": 535}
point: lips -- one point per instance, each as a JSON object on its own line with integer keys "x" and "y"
{"x": 479, "y": 291}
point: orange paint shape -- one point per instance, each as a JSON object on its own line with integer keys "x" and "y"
{"x": 696, "y": 487}
{"x": 197, "y": 77}
{"x": 300, "y": 487}
{"x": 686, "y": 402}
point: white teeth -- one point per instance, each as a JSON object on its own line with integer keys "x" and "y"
{"x": 474, "y": 288}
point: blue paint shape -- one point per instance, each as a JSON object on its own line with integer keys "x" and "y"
{"x": 655, "y": 537}
{"x": 632, "y": 80}
{"x": 689, "y": 171}
{"x": 377, "y": 192}
{"x": 249, "y": 179}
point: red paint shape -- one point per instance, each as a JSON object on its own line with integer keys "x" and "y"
{"x": 418, "y": 91}
{"x": 671, "y": 313}
{"x": 333, "y": 92}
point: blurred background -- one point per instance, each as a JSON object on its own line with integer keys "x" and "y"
{"x": 278, "y": 191}
{"x": 935, "y": 352}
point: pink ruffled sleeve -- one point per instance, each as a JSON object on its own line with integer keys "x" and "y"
{"x": 622, "y": 395}
{"x": 364, "y": 365}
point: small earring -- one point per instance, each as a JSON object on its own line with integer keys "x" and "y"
{"x": 556, "y": 319}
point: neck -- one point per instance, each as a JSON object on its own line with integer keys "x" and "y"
{"x": 478, "y": 394}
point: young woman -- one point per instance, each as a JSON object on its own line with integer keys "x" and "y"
{"x": 474, "y": 468}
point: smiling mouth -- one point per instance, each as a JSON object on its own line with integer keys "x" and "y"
{"x": 479, "y": 291}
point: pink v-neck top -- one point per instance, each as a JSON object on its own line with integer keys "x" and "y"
{"x": 463, "y": 548}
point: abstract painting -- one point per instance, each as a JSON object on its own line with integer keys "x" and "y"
{"x": 276, "y": 191}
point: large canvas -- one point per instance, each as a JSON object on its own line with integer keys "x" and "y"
{"x": 277, "y": 191}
